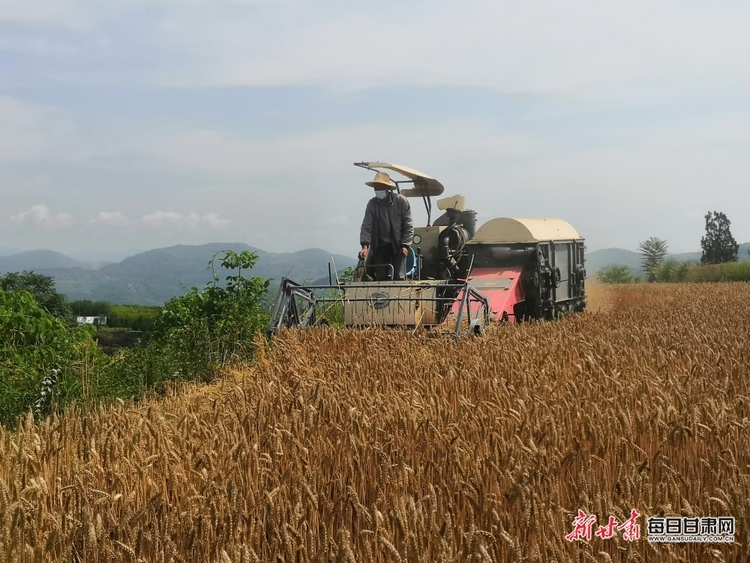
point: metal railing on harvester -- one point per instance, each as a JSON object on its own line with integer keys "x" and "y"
{"x": 296, "y": 305}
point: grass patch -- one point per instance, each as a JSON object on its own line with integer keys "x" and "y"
{"x": 730, "y": 272}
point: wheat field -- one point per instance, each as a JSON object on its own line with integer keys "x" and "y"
{"x": 376, "y": 445}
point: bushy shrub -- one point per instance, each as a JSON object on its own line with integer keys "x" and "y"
{"x": 134, "y": 317}
{"x": 89, "y": 308}
{"x": 198, "y": 333}
{"x": 616, "y": 274}
{"x": 42, "y": 289}
{"x": 674, "y": 271}
{"x": 44, "y": 362}
{"x": 732, "y": 271}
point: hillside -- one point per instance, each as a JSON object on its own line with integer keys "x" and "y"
{"x": 155, "y": 276}
{"x": 37, "y": 260}
{"x": 601, "y": 259}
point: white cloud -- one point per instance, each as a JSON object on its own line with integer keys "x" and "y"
{"x": 564, "y": 158}
{"x": 40, "y": 215}
{"x": 171, "y": 219}
{"x": 28, "y": 131}
{"x": 37, "y": 45}
{"x": 316, "y": 158}
{"x": 579, "y": 48}
{"x": 336, "y": 221}
{"x": 616, "y": 184}
{"x": 213, "y": 220}
{"x": 113, "y": 219}
{"x": 61, "y": 13}
{"x": 21, "y": 131}
{"x": 77, "y": 15}
{"x": 582, "y": 49}
{"x": 81, "y": 15}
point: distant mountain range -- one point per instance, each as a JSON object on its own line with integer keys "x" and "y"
{"x": 5, "y": 251}
{"x": 155, "y": 276}
{"x": 103, "y": 257}
{"x": 38, "y": 259}
{"x": 601, "y": 259}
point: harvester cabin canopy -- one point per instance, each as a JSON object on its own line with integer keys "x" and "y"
{"x": 424, "y": 186}
{"x": 508, "y": 230}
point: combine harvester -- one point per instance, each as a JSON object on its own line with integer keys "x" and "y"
{"x": 457, "y": 276}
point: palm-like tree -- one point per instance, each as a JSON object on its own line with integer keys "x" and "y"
{"x": 653, "y": 251}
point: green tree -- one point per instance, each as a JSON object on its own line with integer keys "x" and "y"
{"x": 42, "y": 288}
{"x": 135, "y": 317}
{"x": 348, "y": 274}
{"x": 615, "y": 274}
{"x": 718, "y": 244}
{"x": 674, "y": 271}
{"x": 204, "y": 330}
{"x": 88, "y": 308}
{"x": 43, "y": 361}
{"x": 653, "y": 251}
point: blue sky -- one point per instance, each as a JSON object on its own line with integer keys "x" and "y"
{"x": 133, "y": 125}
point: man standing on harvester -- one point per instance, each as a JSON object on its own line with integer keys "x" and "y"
{"x": 387, "y": 230}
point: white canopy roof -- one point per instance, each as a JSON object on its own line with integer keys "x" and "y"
{"x": 508, "y": 230}
{"x": 431, "y": 185}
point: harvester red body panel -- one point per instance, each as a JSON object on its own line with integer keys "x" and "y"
{"x": 501, "y": 287}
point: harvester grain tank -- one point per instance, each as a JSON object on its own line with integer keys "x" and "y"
{"x": 458, "y": 276}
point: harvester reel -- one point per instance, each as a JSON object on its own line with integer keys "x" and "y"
{"x": 295, "y": 306}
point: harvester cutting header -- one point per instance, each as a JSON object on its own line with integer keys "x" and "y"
{"x": 447, "y": 273}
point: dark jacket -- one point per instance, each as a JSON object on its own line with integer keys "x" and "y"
{"x": 387, "y": 220}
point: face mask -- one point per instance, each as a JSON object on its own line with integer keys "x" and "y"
{"x": 380, "y": 194}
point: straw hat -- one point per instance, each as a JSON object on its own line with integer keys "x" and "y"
{"x": 382, "y": 180}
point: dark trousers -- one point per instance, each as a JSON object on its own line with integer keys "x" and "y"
{"x": 379, "y": 260}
